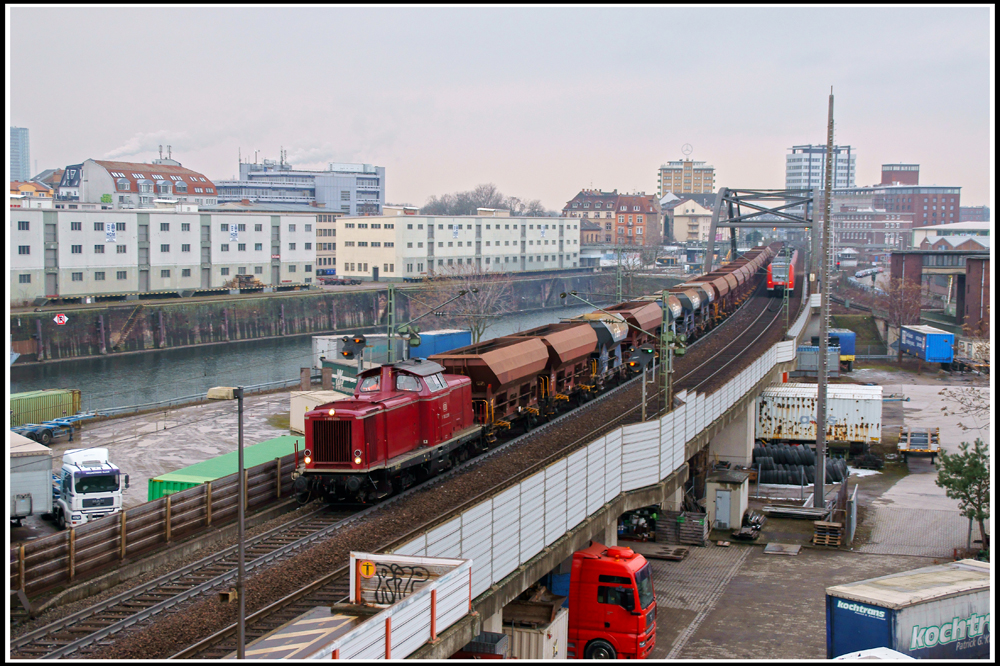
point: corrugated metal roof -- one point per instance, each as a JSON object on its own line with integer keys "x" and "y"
{"x": 926, "y": 330}
{"x": 842, "y": 391}
{"x": 908, "y": 588}
{"x": 228, "y": 463}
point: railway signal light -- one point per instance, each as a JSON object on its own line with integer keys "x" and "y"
{"x": 640, "y": 359}
{"x": 353, "y": 345}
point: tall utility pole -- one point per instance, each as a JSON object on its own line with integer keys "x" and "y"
{"x": 819, "y": 496}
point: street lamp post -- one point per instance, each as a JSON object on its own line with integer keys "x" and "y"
{"x": 230, "y": 393}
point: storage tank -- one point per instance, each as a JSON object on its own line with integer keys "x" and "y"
{"x": 928, "y": 343}
{"x": 937, "y": 612}
{"x": 788, "y": 412}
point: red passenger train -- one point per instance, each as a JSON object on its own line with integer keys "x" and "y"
{"x": 410, "y": 420}
{"x": 781, "y": 274}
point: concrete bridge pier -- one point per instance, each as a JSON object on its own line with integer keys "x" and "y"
{"x": 735, "y": 441}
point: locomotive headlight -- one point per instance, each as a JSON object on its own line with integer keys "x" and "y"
{"x": 308, "y": 460}
{"x": 332, "y": 411}
{"x": 357, "y": 460}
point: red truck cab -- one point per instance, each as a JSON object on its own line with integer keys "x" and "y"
{"x": 612, "y": 606}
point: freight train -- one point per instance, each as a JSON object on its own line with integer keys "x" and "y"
{"x": 413, "y": 419}
{"x": 781, "y": 274}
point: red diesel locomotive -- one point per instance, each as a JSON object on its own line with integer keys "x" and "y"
{"x": 410, "y": 420}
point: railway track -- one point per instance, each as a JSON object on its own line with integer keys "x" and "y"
{"x": 75, "y": 633}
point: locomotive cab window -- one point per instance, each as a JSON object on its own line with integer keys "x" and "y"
{"x": 407, "y": 383}
{"x": 370, "y": 384}
{"x": 436, "y": 382}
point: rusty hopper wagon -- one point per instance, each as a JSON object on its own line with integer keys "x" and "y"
{"x": 647, "y": 316}
{"x": 504, "y": 374}
{"x": 567, "y": 372}
{"x": 606, "y": 359}
{"x": 787, "y": 413}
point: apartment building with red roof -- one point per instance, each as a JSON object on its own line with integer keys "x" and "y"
{"x": 108, "y": 184}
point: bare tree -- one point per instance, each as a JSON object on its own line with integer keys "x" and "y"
{"x": 487, "y": 196}
{"x": 972, "y": 401}
{"x": 899, "y": 305}
{"x": 482, "y": 196}
{"x": 490, "y": 296}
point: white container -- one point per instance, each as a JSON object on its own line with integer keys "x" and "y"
{"x": 304, "y": 401}
{"x": 788, "y": 412}
{"x": 30, "y": 477}
{"x": 546, "y": 642}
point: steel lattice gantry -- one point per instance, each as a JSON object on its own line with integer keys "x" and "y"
{"x": 757, "y": 201}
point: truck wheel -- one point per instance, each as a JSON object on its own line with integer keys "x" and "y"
{"x": 45, "y": 437}
{"x": 60, "y": 519}
{"x": 600, "y": 649}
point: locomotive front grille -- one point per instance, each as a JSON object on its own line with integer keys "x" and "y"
{"x": 332, "y": 441}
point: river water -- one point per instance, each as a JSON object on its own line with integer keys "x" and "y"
{"x": 155, "y": 376}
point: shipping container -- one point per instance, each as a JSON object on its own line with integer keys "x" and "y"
{"x": 29, "y": 476}
{"x": 928, "y": 343}
{"x": 439, "y": 342}
{"x": 807, "y": 362}
{"x": 937, "y": 612}
{"x": 304, "y": 401}
{"x": 543, "y": 642}
{"x": 224, "y": 465}
{"x": 845, "y": 339}
{"x": 788, "y": 412}
{"x": 44, "y": 405}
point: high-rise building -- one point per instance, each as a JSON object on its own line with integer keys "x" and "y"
{"x": 20, "y": 154}
{"x": 346, "y": 189}
{"x": 805, "y": 167}
{"x": 686, "y": 177}
{"x": 900, "y": 174}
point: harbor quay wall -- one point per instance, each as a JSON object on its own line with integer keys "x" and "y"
{"x": 138, "y": 326}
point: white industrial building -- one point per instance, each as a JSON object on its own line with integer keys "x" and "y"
{"x": 399, "y": 247}
{"x": 73, "y": 253}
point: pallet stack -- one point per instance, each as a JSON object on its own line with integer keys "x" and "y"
{"x": 682, "y": 527}
{"x": 827, "y": 534}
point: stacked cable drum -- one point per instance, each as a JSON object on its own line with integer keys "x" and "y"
{"x": 787, "y": 464}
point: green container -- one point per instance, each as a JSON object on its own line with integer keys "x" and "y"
{"x": 224, "y": 465}
{"x": 39, "y": 406}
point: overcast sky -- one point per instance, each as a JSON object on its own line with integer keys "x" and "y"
{"x": 540, "y": 101}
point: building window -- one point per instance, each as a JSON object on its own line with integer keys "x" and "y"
{"x": 291, "y": 227}
{"x": 164, "y": 248}
{"x": 224, "y": 271}
{"x": 98, "y": 226}
{"x": 24, "y": 249}
{"x": 122, "y": 275}
{"x": 291, "y": 246}
{"x": 224, "y": 247}
{"x": 74, "y": 226}
{"x": 119, "y": 226}
{"x": 223, "y": 227}
{"x": 309, "y": 268}
{"x": 120, "y": 249}
{"x": 76, "y": 249}
{"x": 309, "y": 246}
{"x": 185, "y": 226}
{"x": 241, "y": 247}
{"x": 164, "y": 226}
{"x": 99, "y": 275}
{"x": 185, "y": 247}
{"x": 77, "y": 277}
{"x": 258, "y": 227}
{"x": 98, "y": 249}
{"x": 258, "y": 270}
{"x": 258, "y": 246}
{"x": 22, "y": 225}
{"x": 185, "y": 272}
{"x": 24, "y": 278}
{"x": 309, "y": 227}
{"x": 292, "y": 268}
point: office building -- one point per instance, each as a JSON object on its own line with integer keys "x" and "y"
{"x": 974, "y": 214}
{"x": 346, "y": 189}
{"x": 805, "y": 167}
{"x": 72, "y": 253}
{"x": 20, "y": 154}
{"x": 928, "y": 204}
{"x": 900, "y": 174}
{"x": 686, "y": 177}
{"x": 407, "y": 247}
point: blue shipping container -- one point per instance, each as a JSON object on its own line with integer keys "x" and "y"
{"x": 928, "y": 343}
{"x": 439, "y": 342}
{"x": 937, "y": 612}
{"x": 847, "y": 338}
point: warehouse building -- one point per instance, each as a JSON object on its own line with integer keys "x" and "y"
{"x": 407, "y": 247}
{"x": 74, "y": 253}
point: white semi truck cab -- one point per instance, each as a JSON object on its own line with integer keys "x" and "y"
{"x": 89, "y": 487}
